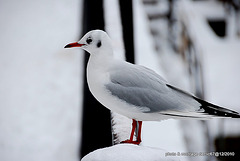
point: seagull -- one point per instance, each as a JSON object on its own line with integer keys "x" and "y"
{"x": 137, "y": 92}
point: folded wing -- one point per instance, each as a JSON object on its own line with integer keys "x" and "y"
{"x": 143, "y": 88}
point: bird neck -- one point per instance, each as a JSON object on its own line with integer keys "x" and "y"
{"x": 101, "y": 59}
{"x": 104, "y": 53}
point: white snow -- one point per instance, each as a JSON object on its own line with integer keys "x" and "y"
{"x": 129, "y": 152}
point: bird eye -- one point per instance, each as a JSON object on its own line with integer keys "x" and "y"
{"x": 89, "y": 40}
{"x": 99, "y": 44}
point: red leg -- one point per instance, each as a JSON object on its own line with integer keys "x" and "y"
{"x": 134, "y": 124}
{"x": 139, "y": 132}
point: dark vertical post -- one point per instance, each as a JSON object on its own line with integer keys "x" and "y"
{"x": 96, "y": 125}
{"x": 126, "y": 11}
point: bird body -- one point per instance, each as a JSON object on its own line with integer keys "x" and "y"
{"x": 100, "y": 84}
{"x": 136, "y": 91}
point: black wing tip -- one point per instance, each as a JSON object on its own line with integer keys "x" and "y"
{"x": 234, "y": 115}
{"x": 215, "y": 110}
{"x": 220, "y": 113}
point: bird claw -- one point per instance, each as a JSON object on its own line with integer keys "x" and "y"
{"x": 131, "y": 142}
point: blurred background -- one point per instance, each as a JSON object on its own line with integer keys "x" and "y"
{"x": 44, "y": 99}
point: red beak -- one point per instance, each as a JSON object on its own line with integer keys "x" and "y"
{"x": 75, "y": 44}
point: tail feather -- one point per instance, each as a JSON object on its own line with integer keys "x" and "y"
{"x": 215, "y": 110}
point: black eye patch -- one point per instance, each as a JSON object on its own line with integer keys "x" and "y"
{"x": 99, "y": 44}
{"x": 89, "y": 40}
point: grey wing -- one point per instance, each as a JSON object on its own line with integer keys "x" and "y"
{"x": 144, "y": 88}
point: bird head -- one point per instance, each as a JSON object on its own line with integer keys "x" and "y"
{"x": 95, "y": 41}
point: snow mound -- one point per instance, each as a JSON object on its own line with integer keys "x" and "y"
{"x": 128, "y": 152}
